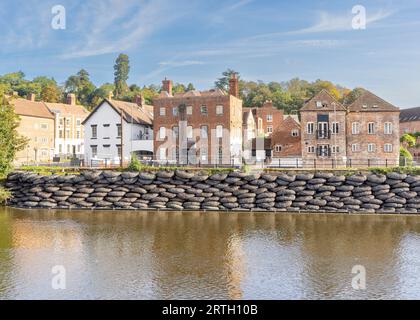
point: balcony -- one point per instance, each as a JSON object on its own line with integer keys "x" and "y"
{"x": 323, "y": 134}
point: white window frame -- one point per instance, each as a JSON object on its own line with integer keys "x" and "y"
{"x": 319, "y": 104}
{"x": 189, "y": 132}
{"x": 333, "y": 127}
{"x": 371, "y": 147}
{"x": 335, "y": 149}
{"x": 388, "y": 128}
{"x": 355, "y": 128}
{"x": 371, "y": 125}
{"x": 355, "y": 147}
{"x": 277, "y": 148}
{"x": 269, "y": 129}
{"x": 162, "y": 111}
{"x": 310, "y": 128}
{"x": 311, "y": 149}
{"x": 162, "y": 132}
{"x": 189, "y": 110}
{"x": 295, "y": 133}
{"x": 269, "y": 118}
{"x": 219, "y": 110}
{"x": 219, "y": 131}
{"x": 162, "y": 153}
{"x": 388, "y": 147}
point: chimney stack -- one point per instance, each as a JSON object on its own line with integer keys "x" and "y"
{"x": 31, "y": 96}
{"x": 71, "y": 99}
{"x": 167, "y": 86}
{"x": 234, "y": 85}
{"x": 139, "y": 100}
{"x": 268, "y": 103}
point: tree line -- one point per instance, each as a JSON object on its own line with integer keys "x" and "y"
{"x": 287, "y": 95}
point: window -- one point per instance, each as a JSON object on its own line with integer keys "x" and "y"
{"x": 175, "y": 111}
{"x": 203, "y": 110}
{"x": 335, "y": 149}
{"x": 335, "y": 128}
{"x": 278, "y": 148}
{"x": 107, "y": 148}
{"x": 204, "y": 132}
{"x": 175, "y": 132}
{"x": 310, "y": 127}
{"x": 355, "y": 147}
{"x": 162, "y": 111}
{"x": 189, "y": 110}
{"x": 269, "y": 118}
{"x": 319, "y": 104}
{"x": 61, "y": 121}
{"x": 60, "y": 134}
{"x": 162, "y": 133}
{"x": 189, "y": 132}
{"x": 219, "y": 110}
{"x": 204, "y": 154}
{"x": 67, "y": 133}
{"x": 219, "y": 131}
{"x": 79, "y": 149}
{"x": 388, "y": 147}
{"x": 78, "y": 134}
{"x": 119, "y": 131}
{"x": 44, "y": 153}
{"x": 44, "y": 126}
{"x": 364, "y": 106}
{"x": 94, "y": 150}
{"x": 94, "y": 131}
{"x": 78, "y": 122}
{"x": 162, "y": 153}
{"x": 311, "y": 149}
{"x": 67, "y": 121}
{"x": 371, "y": 128}
{"x": 106, "y": 132}
{"x": 388, "y": 128}
{"x": 295, "y": 133}
{"x": 260, "y": 125}
{"x": 269, "y": 129}
{"x": 60, "y": 148}
{"x": 371, "y": 147}
{"x": 355, "y": 128}
{"x": 119, "y": 150}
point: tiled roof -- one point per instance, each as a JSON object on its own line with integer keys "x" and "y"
{"x": 24, "y": 107}
{"x": 132, "y": 112}
{"x": 411, "y": 114}
{"x": 64, "y": 108}
{"x": 369, "y": 102}
{"x": 293, "y": 119}
{"x": 323, "y": 101}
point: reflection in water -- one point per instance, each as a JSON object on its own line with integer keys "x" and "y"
{"x": 193, "y": 255}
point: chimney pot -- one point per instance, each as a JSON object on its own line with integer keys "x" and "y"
{"x": 139, "y": 100}
{"x": 71, "y": 99}
{"x": 167, "y": 86}
{"x": 31, "y": 96}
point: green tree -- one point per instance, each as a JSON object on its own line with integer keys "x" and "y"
{"x": 10, "y": 140}
{"x": 81, "y": 85}
{"x": 190, "y": 87}
{"x": 121, "y": 70}
{"x": 223, "y": 82}
{"x": 352, "y": 95}
{"x": 50, "y": 93}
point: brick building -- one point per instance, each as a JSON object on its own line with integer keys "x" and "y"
{"x": 268, "y": 119}
{"x": 410, "y": 120}
{"x": 37, "y": 124}
{"x": 373, "y": 132}
{"x": 323, "y": 136}
{"x": 202, "y": 127}
{"x": 286, "y": 141}
{"x": 364, "y": 133}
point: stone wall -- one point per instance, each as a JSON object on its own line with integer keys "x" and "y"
{"x": 319, "y": 192}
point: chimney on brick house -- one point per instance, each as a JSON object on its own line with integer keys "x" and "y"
{"x": 268, "y": 103}
{"x": 71, "y": 99}
{"x": 31, "y": 96}
{"x": 167, "y": 86}
{"x": 234, "y": 85}
{"x": 139, "y": 100}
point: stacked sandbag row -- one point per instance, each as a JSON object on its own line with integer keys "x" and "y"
{"x": 181, "y": 190}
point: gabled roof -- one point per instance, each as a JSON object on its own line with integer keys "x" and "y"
{"x": 369, "y": 102}
{"x": 292, "y": 120}
{"x": 246, "y": 113}
{"x": 194, "y": 93}
{"x": 411, "y": 114}
{"x": 329, "y": 103}
{"x": 132, "y": 112}
{"x": 25, "y": 107}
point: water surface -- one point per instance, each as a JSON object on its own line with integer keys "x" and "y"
{"x": 193, "y": 255}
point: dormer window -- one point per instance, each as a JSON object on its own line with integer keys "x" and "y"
{"x": 375, "y": 106}
{"x": 364, "y": 106}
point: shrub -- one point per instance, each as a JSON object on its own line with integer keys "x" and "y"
{"x": 4, "y": 195}
{"x": 135, "y": 164}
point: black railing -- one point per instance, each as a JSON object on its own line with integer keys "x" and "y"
{"x": 323, "y": 134}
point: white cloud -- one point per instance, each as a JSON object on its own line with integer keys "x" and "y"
{"x": 181, "y": 63}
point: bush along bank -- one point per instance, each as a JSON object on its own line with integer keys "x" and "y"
{"x": 180, "y": 190}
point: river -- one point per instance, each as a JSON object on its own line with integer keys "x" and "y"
{"x": 206, "y": 255}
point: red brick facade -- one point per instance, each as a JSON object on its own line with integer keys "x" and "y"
{"x": 268, "y": 119}
{"x": 200, "y": 127}
{"x": 286, "y": 141}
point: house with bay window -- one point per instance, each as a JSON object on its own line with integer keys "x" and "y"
{"x": 116, "y": 130}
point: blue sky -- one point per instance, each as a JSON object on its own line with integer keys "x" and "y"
{"x": 195, "y": 40}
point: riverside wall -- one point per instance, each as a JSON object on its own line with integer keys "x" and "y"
{"x": 181, "y": 190}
